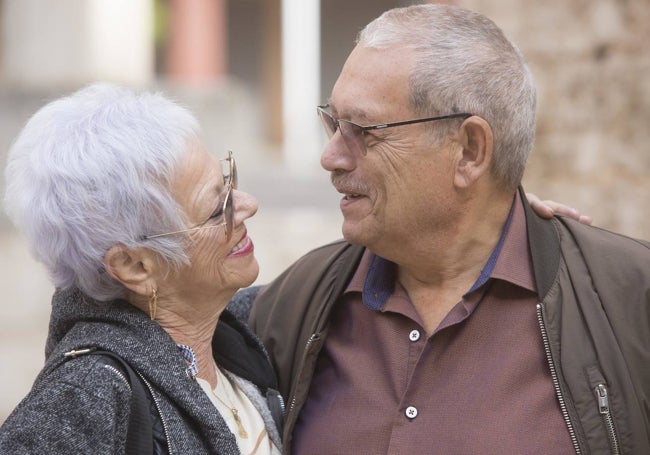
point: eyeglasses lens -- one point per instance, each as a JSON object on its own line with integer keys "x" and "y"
{"x": 352, "y": 134}
{"x": 328, "y": 122}
{"x": 229, "y": 212}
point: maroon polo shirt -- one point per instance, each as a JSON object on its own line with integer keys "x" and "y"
{"x": 479, "y": 385}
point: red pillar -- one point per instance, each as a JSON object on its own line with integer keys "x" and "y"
{"x": 197, "y": 41}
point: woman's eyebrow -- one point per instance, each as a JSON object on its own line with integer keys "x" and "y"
{"x": 211, "y": 190}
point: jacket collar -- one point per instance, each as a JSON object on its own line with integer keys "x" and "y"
{"x": 544, "y": 248}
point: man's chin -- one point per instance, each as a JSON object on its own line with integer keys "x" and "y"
{"x": 355, "y": 234}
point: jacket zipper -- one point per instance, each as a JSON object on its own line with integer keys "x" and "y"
{"x": 556, "y": 381}
{"x": 603, "y": 408}
{"x": 292, "y": 403}
{"x": 119, "y": 373}
{"x": 162, "y": 419}
{"x": 283, "y": 405}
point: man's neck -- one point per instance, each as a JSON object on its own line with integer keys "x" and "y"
{"x": 445, "y": 266}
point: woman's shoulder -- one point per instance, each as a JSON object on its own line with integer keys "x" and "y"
{"x": 91, "y": 374}
{"x": 76, "y": 404}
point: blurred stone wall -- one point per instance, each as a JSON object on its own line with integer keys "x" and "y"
{"x": 591, "y": 63}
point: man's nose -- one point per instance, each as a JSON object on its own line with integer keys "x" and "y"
{"x": 337, "y": 155}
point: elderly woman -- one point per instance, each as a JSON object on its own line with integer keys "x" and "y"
{"x": 142, "y": 233}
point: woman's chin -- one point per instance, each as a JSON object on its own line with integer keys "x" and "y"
{"x": 249, "y": 274}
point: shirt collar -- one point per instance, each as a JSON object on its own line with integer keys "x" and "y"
{"x": 187, "y": 352}
{"x": 380, "y": 282}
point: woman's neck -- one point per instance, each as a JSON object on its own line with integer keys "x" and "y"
{"x": 197, "y": 334}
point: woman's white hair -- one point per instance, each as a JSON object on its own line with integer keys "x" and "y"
{"x": 465, "y": 63}
{"x": 92, "y": 170}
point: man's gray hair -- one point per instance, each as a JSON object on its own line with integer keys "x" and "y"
{"x": 465, "y": 63}
{"x": 93, "y": 170}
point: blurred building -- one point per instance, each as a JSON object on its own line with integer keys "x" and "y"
{"x": 204, "y": 48}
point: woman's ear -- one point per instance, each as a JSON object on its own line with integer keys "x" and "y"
{"x": 134, "y": 268}
{"x": 477, "y": 141}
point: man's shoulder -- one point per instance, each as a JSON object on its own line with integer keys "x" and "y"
{"x": 605, "y": 241}
{"x": 321, "y": 259}
{"x": 615, "y": 263}
{"x": 336, "y": 247}
{"x": 320, "y": 275}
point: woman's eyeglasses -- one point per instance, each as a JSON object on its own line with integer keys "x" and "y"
{"x": 226, "y": 209}
{"x": 353, "y": 134}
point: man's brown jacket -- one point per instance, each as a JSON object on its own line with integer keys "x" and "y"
{"x": 594, "y": 319}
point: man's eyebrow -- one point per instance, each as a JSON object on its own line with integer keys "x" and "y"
{"x": 352, "y": 113}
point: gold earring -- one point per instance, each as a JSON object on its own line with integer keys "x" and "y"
{"x": 153, "y": 302}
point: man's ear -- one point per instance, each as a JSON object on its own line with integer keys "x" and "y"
{"x": 134, "y": 268}
{"x": 475, "y": 137}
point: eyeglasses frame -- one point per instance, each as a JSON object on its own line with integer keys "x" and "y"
{"x": 321, "y": 110}
{"x": 228, "y": 204}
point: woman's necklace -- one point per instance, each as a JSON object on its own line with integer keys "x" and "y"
{"x": 235, "y": 413}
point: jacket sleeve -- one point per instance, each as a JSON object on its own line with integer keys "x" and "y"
{"x": 81, "y": 408}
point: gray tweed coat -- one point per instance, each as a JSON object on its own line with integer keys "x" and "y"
{"x": 80, "y": 406}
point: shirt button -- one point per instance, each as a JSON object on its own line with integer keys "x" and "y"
{"x": 414, "y": 335}
{"x": 411, "y": 412}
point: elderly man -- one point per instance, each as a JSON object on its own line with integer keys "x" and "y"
{"x": 452, "y": 319}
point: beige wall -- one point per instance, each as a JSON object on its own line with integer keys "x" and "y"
{"x": 591, "y": 61}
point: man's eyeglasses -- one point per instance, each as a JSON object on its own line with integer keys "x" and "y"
{"x": 353, "y": 134}
{"x": 225, "y": 209}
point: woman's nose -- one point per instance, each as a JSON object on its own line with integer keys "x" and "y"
{"x": 245, "y": 206}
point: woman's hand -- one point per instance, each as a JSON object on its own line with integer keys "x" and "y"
{"x": 548, "y": 208}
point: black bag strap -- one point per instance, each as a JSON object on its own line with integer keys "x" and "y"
{"x": 139, "y": 434}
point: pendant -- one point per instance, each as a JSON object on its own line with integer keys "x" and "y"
{"x": 240, "y": 426}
